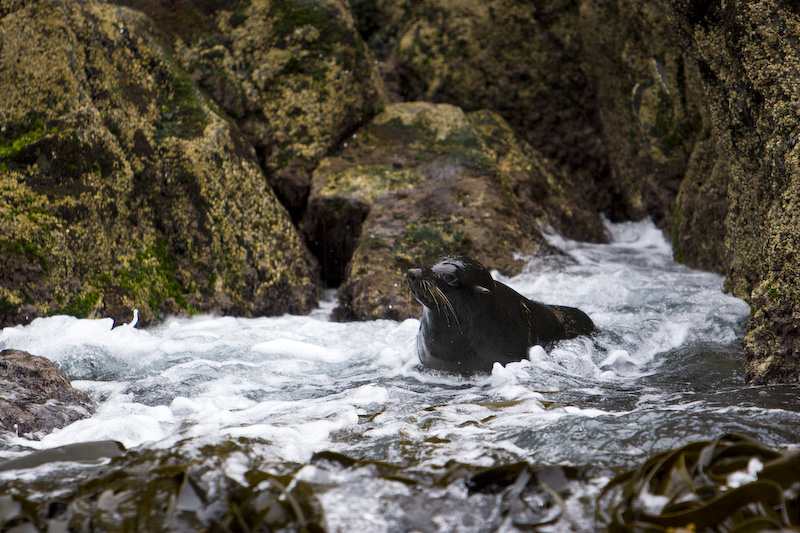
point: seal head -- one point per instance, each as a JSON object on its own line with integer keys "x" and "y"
{"x": 470, "y": 321}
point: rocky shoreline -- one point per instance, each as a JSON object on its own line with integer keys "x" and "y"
{"x": 237, "y": 158}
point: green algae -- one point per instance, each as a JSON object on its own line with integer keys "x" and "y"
{"x": 182, "y": 111}
{"x": 29, "y": 249}
{"x": 366, "y": 182}
{"x": 10, "y": 148}
{"x": 291, "y": 16}
{"x": 428, "y": 239}
{"x": 150, "y": 276}
{"x": 81, "y": 306}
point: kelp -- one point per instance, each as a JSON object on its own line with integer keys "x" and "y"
{"x": 530, "y": 497}
{"x": 217, "y": 488}
{"x": 81, "y": 452}
{"x": 694, "y": 485}
{"x": 729, "y": 484}
{"x": 523, "y": 495}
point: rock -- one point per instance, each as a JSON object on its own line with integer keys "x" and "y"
{"x": 697, "y": 223}
{"x": 123, "y": 187}
{"x": 294, "y": 75}
{"x": 520, "y": 60}
{"x": 602, "y": 88}
{"x": 651, "y": 106}
{"x": 423, "y": 180}
{"x": 750, "y": 72}
{"x": 36, "y": 396}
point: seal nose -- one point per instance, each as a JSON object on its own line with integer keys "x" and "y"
{"x": 413, "y": 273}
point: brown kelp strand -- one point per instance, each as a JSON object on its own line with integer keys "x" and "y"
{"x": 696, "y": 488}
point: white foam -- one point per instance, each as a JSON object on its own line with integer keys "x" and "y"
{"x": 300, "y": 384}
{"x": 298, "y": 350}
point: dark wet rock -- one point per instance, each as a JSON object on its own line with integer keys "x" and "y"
{"x": 650, "y": 103}
{"x": 697, "y": 223}
{"x": 423, "y": 180}
{"x": 123, "y": 186}
{"x": 36, "y": 396}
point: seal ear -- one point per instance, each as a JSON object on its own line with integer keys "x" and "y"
{"x": 482, "y": 290}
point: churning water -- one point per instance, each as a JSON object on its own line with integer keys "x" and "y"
{"x": 665, "y": 370}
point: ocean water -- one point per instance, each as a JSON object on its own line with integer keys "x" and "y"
{"x": 665, "y": 370}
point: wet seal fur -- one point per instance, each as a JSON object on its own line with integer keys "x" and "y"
{"x": 470, "y": 321}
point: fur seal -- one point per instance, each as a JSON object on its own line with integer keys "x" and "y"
{"x": 470, "y": 321}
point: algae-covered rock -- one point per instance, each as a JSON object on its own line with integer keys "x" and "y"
{"x": 542, "y": 190}
{"x": 420, "y": 181}
{"x": 750, "y": 72}
{"x": 36, "y": 396}
{"x": 603, "y": 88}
{"x": 122, "y": 187}
{"x": 295, "y": 75}
{"x": 519, "y": 59}
{"x": 697, "y": 223}
{"x": 650, "y": 104}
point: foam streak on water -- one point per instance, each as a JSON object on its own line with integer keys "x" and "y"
{"x": 666, "y": 369}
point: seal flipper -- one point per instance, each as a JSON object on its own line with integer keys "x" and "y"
{"x": 573, "y": 321}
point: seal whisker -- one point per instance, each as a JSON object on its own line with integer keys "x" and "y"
{"x": 434, "y": 292}
{"x": 425, "y": 285}
{"x": 449, "y": 307}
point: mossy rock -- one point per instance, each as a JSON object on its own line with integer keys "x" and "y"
{"x": 122, "y": 187}
{"x": 698, "y": 219}
{"x": 419, "y": 181}
{"x": 752, "y": 91}
{"x": 295, "y": 76}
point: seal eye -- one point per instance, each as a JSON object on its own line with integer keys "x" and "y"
{"x": 450, "y": 278}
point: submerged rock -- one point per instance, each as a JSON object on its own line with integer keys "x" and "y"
{"x": 423, "y": 180}
{"x": 36, "y": 396}
{"x": 123, "y": 187}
